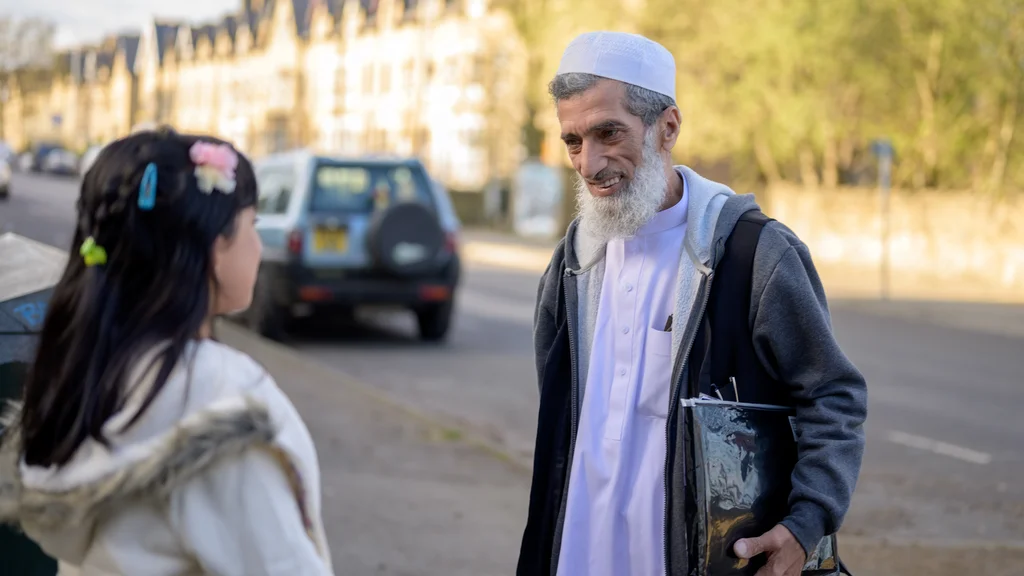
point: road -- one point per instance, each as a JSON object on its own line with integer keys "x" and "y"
{"x": 944, "y": 462}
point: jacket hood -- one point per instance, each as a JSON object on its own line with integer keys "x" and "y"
{"x": 60, "y": 506}
{"x": 714, "y": 211}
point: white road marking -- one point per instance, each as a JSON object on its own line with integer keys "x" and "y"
{"x": 938, "y": 447}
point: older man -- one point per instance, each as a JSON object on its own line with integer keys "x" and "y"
{"x": 619, "y": 311}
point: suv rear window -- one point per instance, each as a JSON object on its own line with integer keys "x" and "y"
{"x": 366, "y": 188}
{"x": 276, "y": 184}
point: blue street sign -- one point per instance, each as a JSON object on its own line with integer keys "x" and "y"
{"x": 882, "y": 148}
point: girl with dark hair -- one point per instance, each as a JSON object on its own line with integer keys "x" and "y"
{"x": 142, "y": 445}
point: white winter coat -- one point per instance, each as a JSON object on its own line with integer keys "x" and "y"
{"x": 219, "y": 476}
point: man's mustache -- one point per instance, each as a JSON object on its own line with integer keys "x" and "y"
{"x": 604, "y": 175}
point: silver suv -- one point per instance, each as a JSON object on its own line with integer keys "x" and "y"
{"x": 339, "y": 233}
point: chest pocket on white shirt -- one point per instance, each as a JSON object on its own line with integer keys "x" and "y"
{"x": 657, "y": 373}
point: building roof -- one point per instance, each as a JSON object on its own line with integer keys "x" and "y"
{"x": 335, "y": 8}
{"x": 166, "y": 37}
{"x": 230, "y": 25}
{"x": 77, "y": 63}
{"x": 207, "y": 31}
{"x": 104, "y": 59}
{"x": 302, "y": 11}
{"x": 370, "y": 9}
{"x": 168, "y": 33}
{"x": 128, "y": 45}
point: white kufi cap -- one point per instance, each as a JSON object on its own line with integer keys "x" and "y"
{"x": 628, "y": 58}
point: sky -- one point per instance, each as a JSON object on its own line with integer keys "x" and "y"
{"x": 88, "y": 21}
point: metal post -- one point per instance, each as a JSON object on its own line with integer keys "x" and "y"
{"x": 884, "y": 151}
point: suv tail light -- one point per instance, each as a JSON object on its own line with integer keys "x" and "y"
{"x": 451, "y": 242}
{"x": 295, "y": 242}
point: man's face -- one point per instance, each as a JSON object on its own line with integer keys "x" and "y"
{"x": 604, "y": 141}
{"x": 622, "y": 181}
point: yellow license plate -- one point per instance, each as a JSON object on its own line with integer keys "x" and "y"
{"x": 330, "y": 240}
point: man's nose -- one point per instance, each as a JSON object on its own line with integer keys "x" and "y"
{"x": 591, "y": 161}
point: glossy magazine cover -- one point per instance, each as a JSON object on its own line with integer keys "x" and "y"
{"x": 740, "y": 458}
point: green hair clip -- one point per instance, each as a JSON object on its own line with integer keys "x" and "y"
{"x": 92, "y": 253}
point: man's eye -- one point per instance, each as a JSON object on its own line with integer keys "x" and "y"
{"x": 610, "y": 134}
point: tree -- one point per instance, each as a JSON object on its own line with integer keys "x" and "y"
{"x": 26, "y": 43}
{"x": 547, "y": 27}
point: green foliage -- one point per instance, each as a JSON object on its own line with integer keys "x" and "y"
{"x": 797, "y": 89}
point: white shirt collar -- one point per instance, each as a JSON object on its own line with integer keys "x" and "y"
{"x": 670, "y": 217}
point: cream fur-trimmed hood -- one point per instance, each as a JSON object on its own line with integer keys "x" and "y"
{"x": 217, "y": 406}
{"x": 159, "y": 467}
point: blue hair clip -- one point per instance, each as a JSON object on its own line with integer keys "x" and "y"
{"x": 147, "y": 188}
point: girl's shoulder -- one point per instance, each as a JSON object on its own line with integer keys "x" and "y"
{"x": 216, "y": 376}
{"x": 210, "y": 378}
{"x": 234, "y": 368}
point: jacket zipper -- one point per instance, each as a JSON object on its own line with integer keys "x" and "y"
{"x": 572, "y": 370}
{"x": 672, "y": 406}
{"x": 574, "y": 416}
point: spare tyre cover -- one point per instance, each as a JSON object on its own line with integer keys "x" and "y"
{"x": 405, "y": 238}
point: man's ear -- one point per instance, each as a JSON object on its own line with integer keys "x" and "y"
{"x": 670, "y": 122}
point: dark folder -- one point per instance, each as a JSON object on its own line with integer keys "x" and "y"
{"x": 740, "y": 458}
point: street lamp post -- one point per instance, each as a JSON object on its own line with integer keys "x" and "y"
{"x": 883, "y": 150}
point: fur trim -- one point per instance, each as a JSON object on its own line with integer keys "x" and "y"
{"x": 183, "y": 453}
{"x": 9, "y": 443}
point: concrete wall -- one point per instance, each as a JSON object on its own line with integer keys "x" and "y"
{"x": 943, "y": 245}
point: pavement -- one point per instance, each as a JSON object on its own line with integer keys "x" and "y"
{"x": 426, "y": 448}
{"x": 403, "y": 495}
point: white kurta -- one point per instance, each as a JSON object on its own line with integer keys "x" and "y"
{"x": 614, "y": 521}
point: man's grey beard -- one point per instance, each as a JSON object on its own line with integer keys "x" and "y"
{"x": 625, "y": 212}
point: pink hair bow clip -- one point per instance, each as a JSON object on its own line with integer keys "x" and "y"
{"x": 215, "y": 166}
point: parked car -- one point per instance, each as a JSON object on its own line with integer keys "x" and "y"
{"x": 5, "y": 179}
{"x": 34, "y": 159}
{"x": 25, "y": 161}
{"x": 342, "y": 233}
{"x": 7, "y": 153}
{"x": 88, "y": 159}
{"x": 61, "y": 162}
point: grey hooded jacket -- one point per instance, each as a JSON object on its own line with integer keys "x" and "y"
{"x": 793, "y": 338}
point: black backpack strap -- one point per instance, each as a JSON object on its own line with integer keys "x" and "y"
{"x": 731, "y": 342}
{"x": 727, "y": 329}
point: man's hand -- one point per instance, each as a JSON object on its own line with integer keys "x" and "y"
{"x": 786, "y": 556}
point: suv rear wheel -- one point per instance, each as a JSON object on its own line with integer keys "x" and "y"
{"x": 434, "y": 321}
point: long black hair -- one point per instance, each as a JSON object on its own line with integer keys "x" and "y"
{"x": 154, "y": 288}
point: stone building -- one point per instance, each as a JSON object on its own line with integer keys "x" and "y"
{"x": 440, "y": 79}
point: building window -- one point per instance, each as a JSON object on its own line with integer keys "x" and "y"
{"x": 368, "y": 79}
{"x": 478, "y": 69}
{"x": 451, "y": 71}
{"x": 339, "y": 83}
{"x": 277, "y": 135}
{"x": 408, "y": 75}
{"x": 475, "y": 138}
{"x": 385, "y": 78}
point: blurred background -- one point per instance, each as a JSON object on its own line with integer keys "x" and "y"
{"x": 887, "y": 134}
